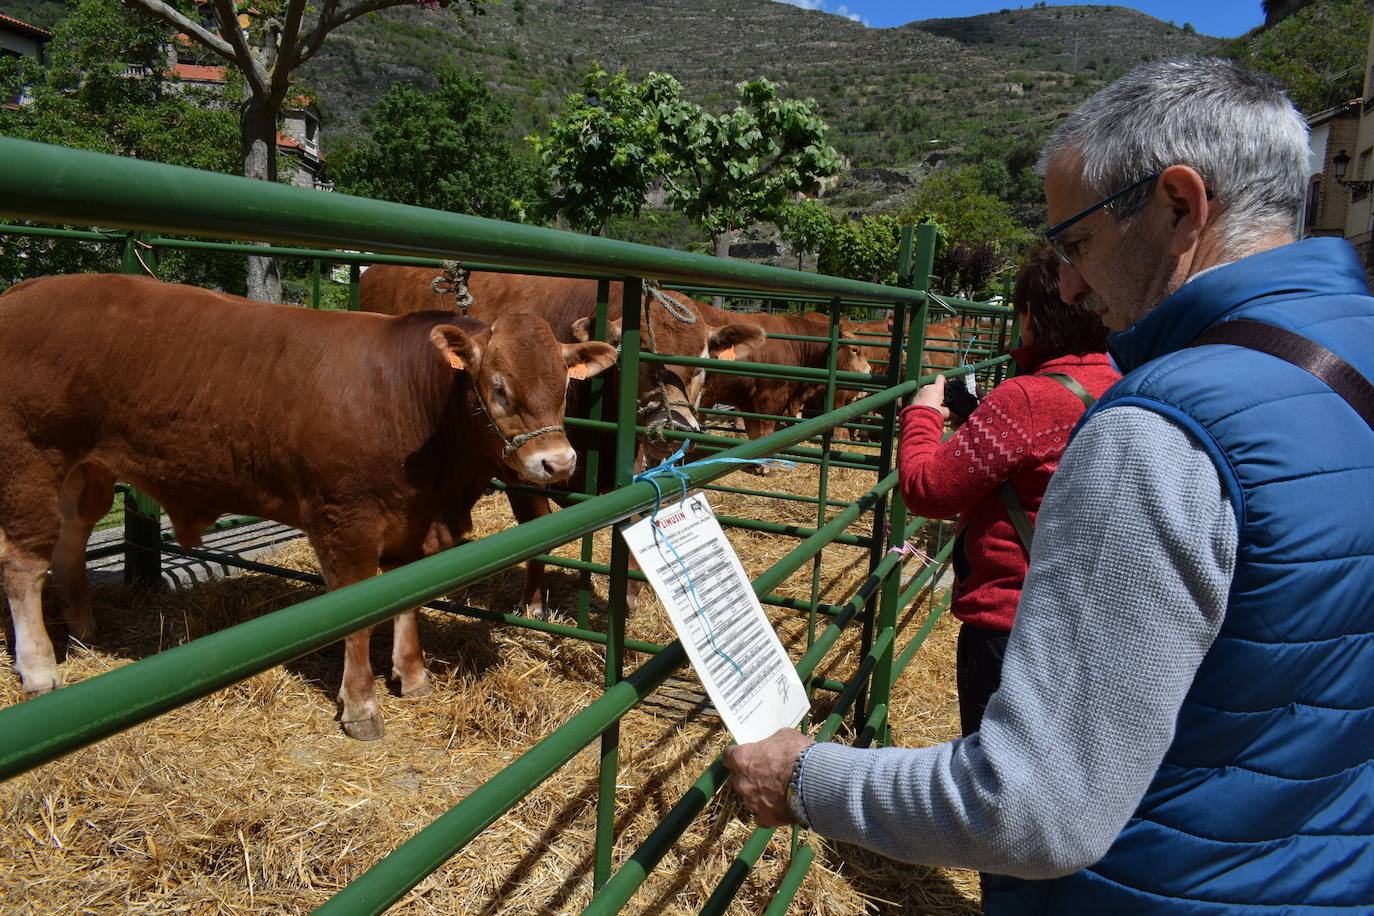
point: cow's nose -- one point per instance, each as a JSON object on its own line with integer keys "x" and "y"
{"x": 559, "y": 465}
{"x": 687, "y": 419}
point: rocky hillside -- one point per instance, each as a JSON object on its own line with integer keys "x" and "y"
{"x": 887, "y": 92}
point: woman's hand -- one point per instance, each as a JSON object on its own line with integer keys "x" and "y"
{"x": 933, "y": 395}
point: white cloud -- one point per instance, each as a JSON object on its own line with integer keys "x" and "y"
{"x": 840, "y": 10}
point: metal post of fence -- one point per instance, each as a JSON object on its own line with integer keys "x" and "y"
{"x": 354, "y": 272}
{"x": 142, "y": 514}
{"x": 315, "y": 283}
{"x": 1011, "y": 330}
{"x": 823, "y": 480}
{"x": 596, "y": 407}
{"x": 627, "y": 408}
{"x": 897, "y": 357}
{"x": 889, "y": 603}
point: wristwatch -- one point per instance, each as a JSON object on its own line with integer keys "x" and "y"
{"x": 794, "y": 796}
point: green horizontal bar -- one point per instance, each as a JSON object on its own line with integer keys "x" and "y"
{"x": 781, "y": 497}
{"x": 61, "y": 185}
{"x": 229, "y": 559}
{"x": 542, "y": 626}
{"x": 84, "y": 235}
{"x": 45, "y": 727}
{"x": 761, "y": 370}
{"x": 799, "y": 531}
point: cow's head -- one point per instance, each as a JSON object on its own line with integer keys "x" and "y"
{"x": 670, "y": 394}
{"x": 852, "y": 356}
{"x": 519, "y": 377}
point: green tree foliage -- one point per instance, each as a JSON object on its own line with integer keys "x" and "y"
{"x": 446, "y": 149}
{"x": 105, "y": 88}
{"x": 956, "y": 199}
{"x": 602, "y": 154}
{"x": 804, "y": 226}
{"x": 728, "y": 170}
{"x": 1317, "y": 53}
{"x": 724, "y": 171}
{"x": 864, "y": 249}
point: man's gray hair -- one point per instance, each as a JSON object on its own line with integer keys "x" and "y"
{"x": 1236, "y": 127}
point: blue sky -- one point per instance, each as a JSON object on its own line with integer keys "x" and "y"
{"x": 1221, "y": 18}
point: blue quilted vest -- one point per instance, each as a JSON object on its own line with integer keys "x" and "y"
{"x": 1264, "y": 802}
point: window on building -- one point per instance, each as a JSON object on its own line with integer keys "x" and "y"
{"x": 1309, "y": 216}
{"x": 1363, "y": 174}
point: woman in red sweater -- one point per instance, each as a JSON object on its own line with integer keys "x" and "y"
{"x": 1016, "y": 434}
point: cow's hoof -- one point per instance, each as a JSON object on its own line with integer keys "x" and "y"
{"x": 422, "y": 689}
{"x": 39, "y": 684}
{"x": 370, "y": 729}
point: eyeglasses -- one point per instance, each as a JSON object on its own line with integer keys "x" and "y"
{"x": 1052, "y": 234}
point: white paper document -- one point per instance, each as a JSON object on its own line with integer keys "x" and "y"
{"x": 708, "y": 596}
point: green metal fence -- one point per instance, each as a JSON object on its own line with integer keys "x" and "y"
{"x": 57, "y": 185}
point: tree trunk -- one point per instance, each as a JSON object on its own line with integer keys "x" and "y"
{"x": 722, "y": 241}
{"x": 258, "y": 145}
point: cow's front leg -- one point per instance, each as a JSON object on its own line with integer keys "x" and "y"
{"x": 533, "y": 598}
{"x": 361, "y": 716}
{"x": 33, "y": 654}
{"x": 343, "y": 562}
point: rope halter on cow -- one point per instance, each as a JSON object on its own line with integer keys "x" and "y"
{"x": 454, "y": 280}
{"x": 659, "y": 409}
{"x": 512, "y": 443}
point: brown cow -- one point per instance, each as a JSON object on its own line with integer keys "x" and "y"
{"x": 667, "y": 394}
{"x": 671, "y": 324}
{"x": 949, "y": 341}
{"x": 778, "y": 396}
{"x": 374, "y": 435}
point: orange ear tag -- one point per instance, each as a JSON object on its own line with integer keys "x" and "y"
{"x": 727, "y": 353}
{"x": 577, "y": 370}
{"x": 456, "y": 361}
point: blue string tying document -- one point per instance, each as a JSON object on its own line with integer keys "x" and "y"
{"x": 668, "y": 468}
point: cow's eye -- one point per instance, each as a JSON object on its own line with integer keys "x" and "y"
{"x": 499, "y": 398}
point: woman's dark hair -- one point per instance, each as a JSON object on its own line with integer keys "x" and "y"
{"x": 1060, "y": 328}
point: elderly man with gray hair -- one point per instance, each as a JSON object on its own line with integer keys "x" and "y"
{"x": 1185, "y": 721}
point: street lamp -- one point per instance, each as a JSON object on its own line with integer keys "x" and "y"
{"x": 1340, "y": 164}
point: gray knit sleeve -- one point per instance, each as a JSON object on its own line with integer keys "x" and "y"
{"x": 1134, "y": 551}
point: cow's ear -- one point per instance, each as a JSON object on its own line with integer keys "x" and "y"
{"x": 588, "y": 358}
{"x": 582, "y": 330}
{"x": 461, "y": 351}
{"x": 735, "y": 341}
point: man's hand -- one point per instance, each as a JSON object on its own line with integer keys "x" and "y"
{"x": 933, "y": 395}
{"x": 762, "y": 771}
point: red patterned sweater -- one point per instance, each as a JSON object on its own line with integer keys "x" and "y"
{"x": 1018, "y": 432}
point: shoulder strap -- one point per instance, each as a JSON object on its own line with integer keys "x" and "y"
{"x": 1071, "y": 383}
{"x": 1020, "y": 520}
{"x": 1338, "y": 374}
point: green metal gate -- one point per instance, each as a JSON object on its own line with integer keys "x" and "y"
{"x": 65, "y": 186}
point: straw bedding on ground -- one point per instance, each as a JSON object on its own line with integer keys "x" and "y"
{"x": 251, "y": 801}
